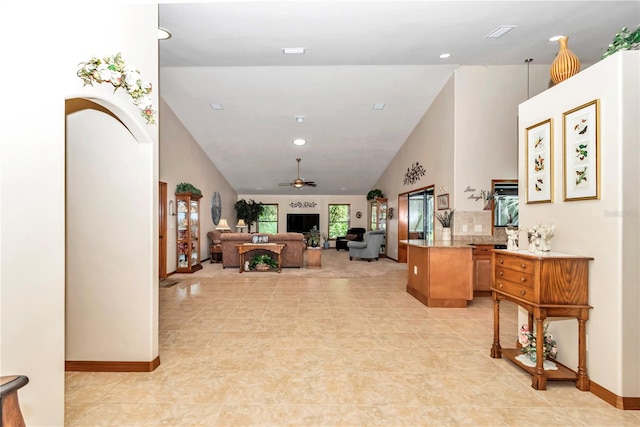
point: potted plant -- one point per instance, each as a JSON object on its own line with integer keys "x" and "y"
{"x": 325, "y": 240}
{"x": 375, "y": 194}
{"x": 314, "y": 237}
{"x": 249, "y": 211}
{"x": 263, "y": 262}
{"x": 446, "y": 219}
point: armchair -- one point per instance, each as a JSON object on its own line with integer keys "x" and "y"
{"x": 369, "y": 248}
{"x": 353, "y": 234}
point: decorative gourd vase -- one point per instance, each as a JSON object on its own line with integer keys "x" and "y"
{"x": 446, "y": 234}
{"x": 566, "y": 63}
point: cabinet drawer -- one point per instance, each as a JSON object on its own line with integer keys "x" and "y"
{"x": 515, "y": 289}
{"x": 524, "y": 279}
{"x": 514, "y": 263}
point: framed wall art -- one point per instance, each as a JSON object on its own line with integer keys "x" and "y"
{"x": 539, "y": 162}
{"x": 581, "y": 129}
{"x": 442, "y": 201}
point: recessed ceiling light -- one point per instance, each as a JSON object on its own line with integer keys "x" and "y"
{"x": 378, "y": 106}
{"x": 299, "y": 141}
{"x": 500, "y": 31}
{"x": 216, "y": 106}
{"x": 163, "y": 34}
{"x": 293, "y": 50}
{"x": 445, "y": 55}
{"x": 555, "y": 38}
{"x": 299, "y": 119}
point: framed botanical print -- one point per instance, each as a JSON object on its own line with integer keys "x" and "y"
{"x": 539, "y": 162}
{"x": 581, "y": 146}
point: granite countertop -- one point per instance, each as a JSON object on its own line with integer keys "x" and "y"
{"x": 437, "y": 243}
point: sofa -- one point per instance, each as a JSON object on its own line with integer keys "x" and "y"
{"x": 292, "y": 254}
{"x": 355, "y": 234}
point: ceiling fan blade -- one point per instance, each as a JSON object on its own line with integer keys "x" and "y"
{"x": 285, "y": 184}
{"x": 310, "y": 183}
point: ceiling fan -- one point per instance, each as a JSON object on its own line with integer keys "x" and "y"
{"x": 298, "y": 182}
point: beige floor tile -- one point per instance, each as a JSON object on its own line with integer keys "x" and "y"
{"x": 286, "y": 350}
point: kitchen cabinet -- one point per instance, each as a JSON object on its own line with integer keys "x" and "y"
{"x": 439, "y": 275}
{"x": 482, "y": 270}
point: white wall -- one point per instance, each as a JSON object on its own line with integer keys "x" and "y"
{"x": 182, "y": 160}
{"x": 467, "y": 137}
{"x": 109, "y": 181}
{"x": 32, "y": 241}
{"x": 605, "y": 229}
{"x": 356, "y": 202}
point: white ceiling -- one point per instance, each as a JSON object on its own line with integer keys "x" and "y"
{"x": 357, "y": 53}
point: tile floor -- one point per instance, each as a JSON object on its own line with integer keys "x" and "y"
{"x": 263, "y": 349}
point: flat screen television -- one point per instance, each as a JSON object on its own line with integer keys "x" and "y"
{"x": 302, "y": 223}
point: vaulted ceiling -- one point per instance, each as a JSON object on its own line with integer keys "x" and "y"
{"x": 357, "y": 54}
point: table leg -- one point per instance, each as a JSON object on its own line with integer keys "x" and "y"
{"x": 582, "y": 380}
{"x": 496, "y": 351}
{"x": 279, "y": 261}
{"x": 241, "y": 262}
{"x": 539, "y": 380}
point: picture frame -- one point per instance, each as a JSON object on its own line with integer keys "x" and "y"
{"x": 442, "y": 201}
{"x": 581, "y": 150}
{"x": 258, "y": 239}
{"x": 539, "y": 162}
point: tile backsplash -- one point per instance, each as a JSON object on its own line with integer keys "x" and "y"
{"x": 475, "y": 223}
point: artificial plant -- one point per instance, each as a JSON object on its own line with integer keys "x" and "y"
{"x": 249, "y": 210}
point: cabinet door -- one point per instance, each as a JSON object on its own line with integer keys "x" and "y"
{"x": 482, "y": 275}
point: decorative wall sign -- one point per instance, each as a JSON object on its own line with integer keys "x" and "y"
{"x": 303, "y": 204}
{"x": 539, "y": 162}
{"x": 413, "y": 174}
{"x": 581, "y": 128}
{"x": 216, "y": 207}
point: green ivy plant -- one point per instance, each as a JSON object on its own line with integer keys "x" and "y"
{"x": 263, "y": 259}
{"x": 185, "y": 187}
{"x": 624, "y": 40}
{"x": 375, "y": 194}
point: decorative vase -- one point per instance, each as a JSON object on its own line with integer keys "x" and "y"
{"x": 566, "y": 63}
{"x": 446, "y": 234}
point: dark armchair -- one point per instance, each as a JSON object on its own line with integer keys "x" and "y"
{"x": 355, "y": 234}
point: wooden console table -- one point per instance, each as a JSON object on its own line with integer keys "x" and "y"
{"x": 553, "y": 285}
{"x": 276, "y": 248}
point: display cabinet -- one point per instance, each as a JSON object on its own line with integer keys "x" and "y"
{"x": 378, "y": 221}
{"x": 188, "y": 228}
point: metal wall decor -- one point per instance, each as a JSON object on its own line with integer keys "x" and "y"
{"x": 303, "y": 204}
{"x": 413, "y": 174}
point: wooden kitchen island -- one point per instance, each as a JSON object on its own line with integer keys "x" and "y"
{"x": 440, "y": 273}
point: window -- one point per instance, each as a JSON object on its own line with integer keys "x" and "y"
{"x": 505, "y": 205}
{"x": 421, "y": 214}
{"x": 268, "y": 220}
{"x": 338, "y": 221}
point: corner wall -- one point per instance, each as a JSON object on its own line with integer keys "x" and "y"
{"x": 182, "y": 160}
{"x": 605, "y": 229}
{"x": 32, "y": 199}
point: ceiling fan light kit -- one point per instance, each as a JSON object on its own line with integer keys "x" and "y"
{"x": 298, "y": 182}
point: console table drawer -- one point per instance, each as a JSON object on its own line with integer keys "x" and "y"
{"x": 515, "y": 263}
{"x": 525, "y": 279}
{"x": 516, "y": 289}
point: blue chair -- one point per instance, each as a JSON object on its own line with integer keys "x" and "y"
{"x": 369, "y": 248}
